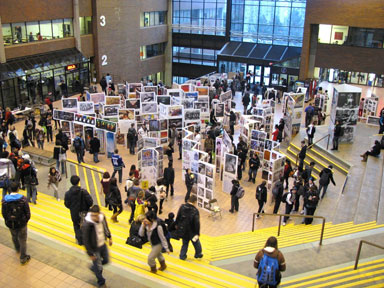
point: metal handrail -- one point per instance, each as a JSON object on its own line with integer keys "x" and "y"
{"x": 345, "y": 183}
{"x": 81, "y": 165}
{"x": 291, "y": 215}
{"x": 329, "y": 135}
{"x": 359, "y": 250}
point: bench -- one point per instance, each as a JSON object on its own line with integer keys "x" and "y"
{"x": 39, "y": 156}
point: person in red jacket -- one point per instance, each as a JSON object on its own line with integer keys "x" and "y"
{"x": 275, "y": 133}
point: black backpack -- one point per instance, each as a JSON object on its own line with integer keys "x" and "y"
{"x": 284, "y": 198}
{"x": 14, "y": 216}
{"x": 166, "y": 232}
{"x": 77, "y": 143}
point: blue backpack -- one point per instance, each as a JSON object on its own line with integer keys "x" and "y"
{"x": 268, "y": 272}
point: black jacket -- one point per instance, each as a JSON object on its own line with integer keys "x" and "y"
{"x": 169, "y": 175}
{"x": 326, "y": 175}
{"x": 89, "y": 235}
{"x": 57, "y": 150}
{"x": 74, "y": 204}
{"x": 280, "y": 189}
{"x": 189, "y": 181}
{"x": 188, "y": 221}
{"x": 303, "y": 152}
{"x": 246, "y": 99}
{"x": 254, "y": 163}
{"x": 261, "y": 193}
{"x": 337, "y": 132}
{"x": 235, "y": 187}
{"x": 28, "y": 174}
{"x": 114, "y": 196}
{"x": 311, "y": 199}
{"x": 94, "y": 145}
{"x": 376, "y": 149}
{"x": 63, "y": 139}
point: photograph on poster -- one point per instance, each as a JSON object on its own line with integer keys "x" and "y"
{"x": 192, "y": 115}
{"x": 164, "y": 134}
{"x": 188, "y": 144}
{"x": 209, "y": 170}
{"x": 149, "y": 107}
{"x": 178, "y": 123}
{"x": 208, "y": 194}
{"x": 201, "y": 180}
{"x": 164, "y": 99}
{"x": 122, "y": 90}
{"x": 164, "y": 124}
{"x": 66, "y": 126}
{"x": 230, "y": 163}
{"x": 147, "y": 154}
{"x": 192, "y": 95}
{"x": 299, "y": 99}
{"x": 185, "y": 87}
{"x": 154, "y": 125}
{"x": 63, "y": 115}
{"x": 132, "y": 104}
{"x": 97, "y": 98}
{"x": 349, "y": 132}
{"x": 202, "y": 168}
{"x": 112, "y": 100}
{"x": 147, "y": 97}
{"x": 268, "y": 145}
{"x": 127, "y": 114}
{"x": 175, "y": 92}
{"x": 85, "y": 119}
{"x": 254, "y": 144}
{"x": 347, "y": 116}
{"x": 151, "y": 142}
{"x": 78, "y": 128}
{"x": 120, "y": 139}
{"x": 187, "y": 103}
{"x": 348, "y": 100}
{"x": 202, "y": 90}
{"x": 372, "y": 120}
{"x": 226, "y": 96}
{"x": 106, "y": 125}
{"x": 135, "y": 87}
{"x": 175, "y": 111}
{"x": 219, "y": 110}
{"x": 111, "y": 110}
{"x": 200, "y": 191}
{"x": 202, "y": 106}
{"x": 85, "y": 107}
{"x": 153, "y": 89}
{"x": 69, "y": 104}
{"x": 154, "y": 134}
{"x": 124, "y": 125}
{"x": 209, "y": 183}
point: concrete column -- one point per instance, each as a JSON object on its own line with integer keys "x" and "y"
{"x": 312, "y": 50}
{"x": 76, "y": 24}
{"x": 2, "y": 49}
{"x": 168, "y": 50}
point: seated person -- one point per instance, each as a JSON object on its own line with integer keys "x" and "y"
{"x": 375, "y": 151}
{"x": 134, "y": 239}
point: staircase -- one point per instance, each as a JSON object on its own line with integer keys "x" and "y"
{"x": 369, "y": 274}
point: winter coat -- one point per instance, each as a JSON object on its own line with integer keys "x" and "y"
{"x": 261, "y": 193}
{"x": 169, "y": 175}
{"x": 94, "y": 145}
{"x": 22, "y": 203}
{"x": 89, "y": 233}
{"x": 326, "y": 175}
{"x": 72, "y": 201}
{"x": 114, "y": 197}
{"x": 188, "y": 221}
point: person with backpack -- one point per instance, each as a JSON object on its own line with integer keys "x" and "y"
{"x": 234, "y": 198}
{"x": 254, "y": 164}
{"x": 78, "y": 201}
{"x": 289, "y": 199}
{"x": 79, "y": 145}
{"x": 16, "y": 214}
{"x": 132, "y": 138}
{"x": 261, "y": 197}
{"x": 134, "y": 238}
{"x": 29, "y": 178}
{"x": 95, "y": 232}
{"x": 169, "y": 178}
{"x": 156, "y": 234}
{"x": 270, "y": 263}
{"x": 277, "y": 192}
{"x": 118, "y": 165}
{"x": 63, "y": 139}
{"x": 188, "y": 227}
{"x": 54, "y": 179}
{"x": 114, "y": 199}
{"x": 94, "y": 145}
{"x": 129, "y": 184}
{"x": 311, "y": 200}
{"x": 150, "y": 198}
{"x": 133, "y": 192}
{"x": 326, "y": 176}
{"x": 307, "y": 173}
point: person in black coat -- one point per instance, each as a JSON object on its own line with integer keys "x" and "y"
{"x": 279, "y": 188}
{"x": 261, "y": 197}
{"x": 77, "y": 200}
{"x": 311, "y": 130}
{"x": 63, "y": 139}
{"x": 302, "y": 154}
{"x": 234, "y": 198}
{"x": 232, "y": 122}
{"x": 103, "y": 84}
{"x": 95, "y": 148}
{"x": 311, "y": 200}
{"x": 189, "y": 181}
{"x": 169, "y": 177}
{"x": 326, "y": 176}
{"x": 114, "y": 199}
{"x": 336, "y": 135}
{"x": 375, "y": 151}
{"x": 254, "y": 164}
{"x": 246, "y": 101}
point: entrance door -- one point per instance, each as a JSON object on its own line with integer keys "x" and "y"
{"x": 251, "y": 70}
{"x": 267, "y": 72}
{"x": 258, "y": 74}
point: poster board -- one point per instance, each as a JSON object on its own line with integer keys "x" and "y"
{"x": 230, "y": 171}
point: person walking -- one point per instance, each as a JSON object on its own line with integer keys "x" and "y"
{"x": 169, "y": 178}
{"x": 79, "y": 145}
{"x": 309, "y": 112}
{"x": 277, "y": 193}
{"x": 289, "y": 202}
{"x": 49, "y": 128}
{"x": 169, "y": 152}
{"x": 246, "y": 99}
{"x": 118, "y": 165}
{"x": 336, "y": 135}
{"x": 326, "y": 176}
{"x": 29, "y": 178}
{"x": 114, "y": 200}
{"x": 270, "y": 263}
{"x": 60, "y": 155}
{"x": 232, "y": 122}
{"x": 261, "y": 197}
{"x": 311, "y": 130}
{"x": 54, "y": 178}
{"x": 94, "y": 144}
{"x": 234, "y": 198}
{"x": 133, "y": 192}
{"x": 172, "y": 135}
{"x": 302, "y": 154}
{"x": 311, "y": 199}
{"x": 95, "y": 232}
{"x": 180, "y": 144}
{"x": 106, "y": 187}
{"x": 307, "y": 173}
{"x": 287, "y": 172}
{"x": 40, "y": 136}
{"x": 78, "y": 201}
{"x": 189, "y": 181}
{"x": 16, "y": 214}
{"x": 156, "y": 235}
{"x": 254, "y": 164}
{"x": 132, "y": 137}
{"x": 188, "y": 226}
{"x": 103, "y": 84}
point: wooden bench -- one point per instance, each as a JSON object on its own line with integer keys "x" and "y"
{"x": 39, "y": 156}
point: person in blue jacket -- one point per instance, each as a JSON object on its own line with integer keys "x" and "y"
{"x": 118, "y": 165}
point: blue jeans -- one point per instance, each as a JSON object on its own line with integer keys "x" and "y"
{"x": 31, "y": 192}
{"x": 324, "y": 187}
{"x": 95, "y": 157}
{"x": 80, "y": 154}
{"x": 120, "y": 174}
{"x": 184, "y": 249}
{"x": 102, "y": 258}
{"x": 252, "y": 174}
{"x": 62, "y": 166}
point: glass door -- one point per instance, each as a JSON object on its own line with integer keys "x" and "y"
{"x": 251, "y": 71}
{"x": 257, "y": 74}
{"x": 267, "y": 72}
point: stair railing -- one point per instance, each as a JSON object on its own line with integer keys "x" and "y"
{"x": 329, "y": 136}
{"x": 80, "y": 165}
{"x": 359, "y": 250}
{"x": 294, "y": 216}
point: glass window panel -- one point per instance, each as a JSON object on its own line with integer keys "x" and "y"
{"x": 162, "y": 17}
{"x": 146, "y": 19}
{"x": 237, "y": 13}
{"x": 58, "y": 31}
{"x": 152, "y": 19}
{"x": 7, "y": 34}
{"x": 156, "y": 18}
{"x": 281, "y": 31}
{"x": 82, "y": 26}
{"x": 88, "y": 25}
{"x": 251, "y": 14}
{"x": 68, "y": 28}
{"x": 19, "y": 33}
{"x": 46, "y": 30}
{"x": 282, "y": 16}
{"x": 298, "y": 17}
{"x": 266, "y": 15}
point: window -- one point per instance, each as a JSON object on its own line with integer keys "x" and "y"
{"x": 19, "y": 33}
{"x": 197, "y": 56}
{"x": 68, "y": 28}
{"x": 85, "y": 25}
{"x": 7, "y": 34}
{"x": 152, "y": 50}
{"x": 46, "y": 30}
{"x": 32, "y": 30}
{"x": 153, "y": 18}
{"x": 57, "y": 27}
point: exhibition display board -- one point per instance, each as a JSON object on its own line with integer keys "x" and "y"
{"x": 293, "y": 104}
{"x": 150, "y": 162}
{"x": 369, "y": 107}
{"x": 265, "y": 113}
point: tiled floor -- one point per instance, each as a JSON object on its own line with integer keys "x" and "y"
{"x": 33, "y": 274}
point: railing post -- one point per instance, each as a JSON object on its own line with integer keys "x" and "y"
{"x": 322, "y": 232}
{"x": 66, "y": 169}
{"x": 253, "y": 222}
{"x": 329, "y": 136}
{"x": 358, "y": 255}
{"x": 278, "y": 231}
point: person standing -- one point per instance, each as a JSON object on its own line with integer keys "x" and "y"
{"x": 311, "y": 133}
{"x": 261, "y": 197}
{"x": 189, "y": 181}
{"x": 49, "y": 128}
{"x": 254, "y": 164}
{"x": 169, "y": 152}
{"x": 234, "y": 198}
{"x": 246, "y": 100}
{"x": 29, "y": 178}
{"x": 289, "y": 202}
{"x": 106, "y": 186}
{"x": 309, "y": 112}
{"x": 232, "y": 122}
{"x": 265, "y": 258}
{"x": 336, "y": 135}
{"x": 156, "y": 236}
{"x": 118, "y": 165}
{"x": 114, "y": 200}
{"x": 180, "y": 144}
{"x": 302, "y": 154}
{"x": 54, "y": 179}
{"x": 275, "y": 133}
{"x": 16, "y": 214}
{"x": 169, "y": 178}
{"x": 277, "y": 193}
{"x": 381, "y": 123}
{"x": 326, "y": 176}
{"x": 133, "y": 192}
{"x": 188, "y": 225}
{"x": 79, "y": 145}
{"x": 311, "y": 200}
{"x": 77, "y": 200}
{"x": 132, "y": 136}
{"x": 307, "y": 173}
{"x": 95, "y": 232}
{"x": 287, "y": 172}
{"x": 103, "y": 84}
{"x": 95, "y": 148}
{"x": 172, "y": 135}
